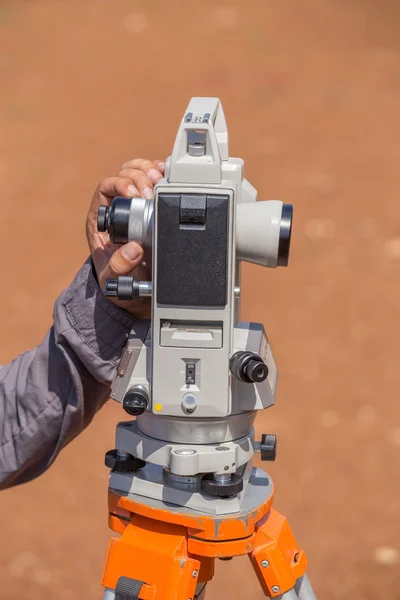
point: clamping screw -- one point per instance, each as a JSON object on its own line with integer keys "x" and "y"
{"x": 135, "y": 401}
{"x": 276, "y": 589}
{"x": 264, "y": 564}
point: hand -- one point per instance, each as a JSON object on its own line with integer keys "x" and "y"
{"x": 136, "y": 178}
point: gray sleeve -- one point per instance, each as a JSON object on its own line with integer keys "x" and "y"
{"x": 48, "y": 395}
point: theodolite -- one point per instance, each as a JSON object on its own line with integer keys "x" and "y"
{"x": 183, "y": 490}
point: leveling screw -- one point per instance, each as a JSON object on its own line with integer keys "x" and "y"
{"x": 276, "y": 589}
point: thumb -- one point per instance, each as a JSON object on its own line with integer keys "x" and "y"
{"x": 122, "y": 262}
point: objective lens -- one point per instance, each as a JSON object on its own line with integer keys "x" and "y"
{"x": 285, "y": 235}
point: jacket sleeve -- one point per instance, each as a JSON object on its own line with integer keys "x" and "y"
{"x": 48, "y": 395}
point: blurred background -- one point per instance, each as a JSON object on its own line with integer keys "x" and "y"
{"x": 311, "y": 92}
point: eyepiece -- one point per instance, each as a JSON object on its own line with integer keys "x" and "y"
{"x": 103, "y": 219}
{"x": 115, "y": 220}
{"x": 285, "y": 235}
{"x": 119, "y": 220}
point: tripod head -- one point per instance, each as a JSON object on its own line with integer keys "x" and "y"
{"x": 197, "y": 375}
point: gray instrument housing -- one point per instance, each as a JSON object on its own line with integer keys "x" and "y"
{"x": 203, "y": 223}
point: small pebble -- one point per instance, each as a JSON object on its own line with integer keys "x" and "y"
{"x": 268, "y": 146}
{"x": 329, "y": 418}
{"x": 360, "y": 331}
{"x": 307, "y": 475}
{"x": 320, "y": 228}
{"x": 310, "y": 373}
{"x": 323, "y": 183}
{"x": 21, "y": 562}
{"x": 136, "y": 23}
{"x": 41, "y": 577}
{"x": 385, "y": 555}
{"x": 383, "y": 57}
{"x": 394, "y": 436}
{"x": 367, "y": 228}
{"x": 226, "y": 17}
{"x": 366, "y": 414}
{"x": 392, "y": 248}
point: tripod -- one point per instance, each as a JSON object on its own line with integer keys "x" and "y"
{"x": 182, "y": 490}
{"x": 167, "y": 552}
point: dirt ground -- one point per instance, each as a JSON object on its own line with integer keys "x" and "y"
{"x": 311, "y": 91}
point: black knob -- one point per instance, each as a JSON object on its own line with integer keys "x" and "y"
{"x": 256, "y": 370}
{"x": 124, "y": 288}
{"x": 103, "y": 219}
{"x": 248, "y": 367}
{"x": 123, "y": 462}
{"x": 136, "y": 401}
{"x": 268, "y": 447}
{"x": 111, "y": 288}
{"x": 228, "y": 488}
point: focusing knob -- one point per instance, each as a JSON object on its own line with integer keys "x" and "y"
{"x": 248, "y": 367}
{"x": 124, "y": 288}
{"x": 123, "y": 462}
{"x": 268, "y": 447}
{"x": 256, "y": 370}
{"x": 103, "y": 219}
{"x": 136, "y": 401}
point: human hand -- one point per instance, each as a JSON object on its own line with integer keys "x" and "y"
{"x": 136, "y": 178}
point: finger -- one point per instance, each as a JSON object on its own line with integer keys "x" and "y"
{"x": 122, "y": 262}
{"x": 147, "y": 166}
{"x": 139, "y": 163}
{"x": 160, "y": 165}
{"x": 118, "y": 186}
{"x": 143, "y": 183}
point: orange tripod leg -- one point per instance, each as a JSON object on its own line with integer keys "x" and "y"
{"x": 169, "y": 555}
{"x": 276, "y": 558}
{"x": 155, "y": 555}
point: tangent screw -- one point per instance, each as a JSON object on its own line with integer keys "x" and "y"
{"x": 195, "y": 573}
{"x": 264, "y": 564}
{"x": 275, "y": 589}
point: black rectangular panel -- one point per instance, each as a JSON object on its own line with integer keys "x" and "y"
{"x": 192, "y": 263}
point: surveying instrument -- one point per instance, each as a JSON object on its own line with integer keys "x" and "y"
{"x": 182, "y": 488}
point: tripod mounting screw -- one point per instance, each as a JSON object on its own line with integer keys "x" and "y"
{"x": 264, "y": 564}
{"x": 123, "y": 462}
{"x": 268, "y": 447}
{"x": 136, "y": 401}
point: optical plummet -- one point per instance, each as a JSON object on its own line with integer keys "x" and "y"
{"x": 248, "y": 367}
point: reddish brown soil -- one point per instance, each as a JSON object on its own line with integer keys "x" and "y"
{"x": 311, "y": 91}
